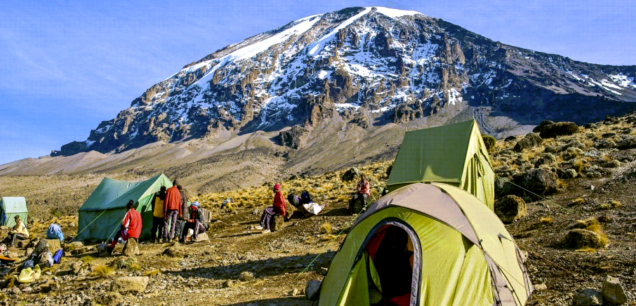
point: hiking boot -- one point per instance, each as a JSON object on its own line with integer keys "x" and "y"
{"x": 110, "y": 250}
{"x": 258, "y": 227}
{"x": 266, "y": 231}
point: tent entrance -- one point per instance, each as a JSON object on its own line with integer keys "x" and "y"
{"x": 388, "y": 268}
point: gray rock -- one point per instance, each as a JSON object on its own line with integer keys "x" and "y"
{"x": 613, "y": 291}
{"x": 350, "y": 174}
{"x": 529, "y": 141}
{"x": 312, "y": 290}
{"x": 588, "y": 297}
{"x": 130, "y": 284}
{"x": 582, "y": 238}
{"x": 510, "y": 208}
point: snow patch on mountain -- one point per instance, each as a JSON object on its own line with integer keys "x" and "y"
{"x": 395, "y": 13}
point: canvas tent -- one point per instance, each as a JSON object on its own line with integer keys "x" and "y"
{"x": 460, "y": 253}
{"x": 104, "y": 210}
{"x": 11, "y": 207}
{"x": 454, "y": 154}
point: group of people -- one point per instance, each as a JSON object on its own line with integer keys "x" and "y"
{"x": 173, "y": 217}
{"x": 363, "y": 191}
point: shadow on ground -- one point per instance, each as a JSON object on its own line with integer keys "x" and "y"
{"x": 290, "y": 301}
{"x": 261, "y": 268}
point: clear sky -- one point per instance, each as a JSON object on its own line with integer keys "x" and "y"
{"x": 67, "y": 65}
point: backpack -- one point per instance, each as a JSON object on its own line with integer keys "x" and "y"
{"x": 293, "y": 199}
{"x": 305, "y": 197}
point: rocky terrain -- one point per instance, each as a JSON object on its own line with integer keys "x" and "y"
{"x": 573, "y": 210}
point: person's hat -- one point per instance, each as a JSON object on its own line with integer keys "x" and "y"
{"x": 277, "y": 187}
{"x": 195, "y": 204}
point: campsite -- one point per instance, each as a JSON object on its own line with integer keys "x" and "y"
{"x": 318, "y": 153}
{"x": 257, "y": 269}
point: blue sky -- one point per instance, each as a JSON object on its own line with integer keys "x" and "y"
{"x": 67, "y": 65}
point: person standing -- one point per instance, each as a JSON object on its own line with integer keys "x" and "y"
{"x": 279, "y": 207}
{"x": 19, "y": 231}
{"x": 130, "y": 227}
{"x": 171, "y": 210}
{"x": 184, "y": 215}
{"x": 158, "y": 214}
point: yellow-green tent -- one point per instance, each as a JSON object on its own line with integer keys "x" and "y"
{"x": 454, "y": 249}
{"x": 11, "y": 207}
{"x": 454, "y": 154}
{"x": 105, "y": 208}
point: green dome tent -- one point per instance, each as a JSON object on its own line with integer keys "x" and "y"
{"x": 104, "y": 210}
{"x": 453, "y": 154}
{"x": 429, "y": 245}
{"x": 11, "y": 207}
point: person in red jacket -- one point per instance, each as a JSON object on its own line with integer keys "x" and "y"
{"x": 279, "y": 207}
{"x": 130, "y": 227}
{"x": 172, "y": 210}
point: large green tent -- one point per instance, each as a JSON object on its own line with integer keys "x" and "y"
{"x": 11, "y": 207}
{"x": 427, "y": 245}
{"x": 453, "y": 154}
{"x": 102, "y": 213}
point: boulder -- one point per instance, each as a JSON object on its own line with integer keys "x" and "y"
{"x": 54, "y": 245}
{"x": 503, "y": 187}
{"x": 131, "y": 248}
{"x": 556, "y": 129}
{"x": 312, "y": 290}
{"x": 540, "y": 181}
{"x": 545, "y": 159}
{"x": 537, "y": 129}
{"x": 588, "y": 297}
{"x": 350, "y": 174}
{"x": 613, "y": 292}
{"x": 510, "y": 208}
{"x": 582, "y": 238}
{"x": 130, "y": 284}
{"x": 69, "y": 247}
{"x": 290, "y": 209}
{"x": 277, "y": 222}
{"x": 529, "y": 141}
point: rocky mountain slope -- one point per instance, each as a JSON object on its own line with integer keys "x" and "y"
{"x": 370, "y": 67}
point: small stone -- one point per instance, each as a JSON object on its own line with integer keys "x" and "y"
{"x": 312, "y": 290}
{"x": 293, "y": 292}
{"x": 588, "y": 297}
{"x": 246, "y": 276}
{"x": 324, "y": 270}
{"x": 109, "y": 299}
{"x": 228, "y": 283}
{"x": 27, "y": 290}
{"x": 130, "y": 284}
{"x": 613, "y": 291}
{"x": 540, "y": 287}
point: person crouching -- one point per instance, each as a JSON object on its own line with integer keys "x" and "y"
{"x": 279, "y": 207}
{"x": 196, "y": 223}
{"x": 130, "y": 227}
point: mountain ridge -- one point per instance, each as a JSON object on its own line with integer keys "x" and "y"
{"x": 372, "y": 65}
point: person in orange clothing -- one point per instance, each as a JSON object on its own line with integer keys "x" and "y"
{"x": 172, "y": 210}
{"x": 279, "y": 207}
{"x": 130, "y": 227}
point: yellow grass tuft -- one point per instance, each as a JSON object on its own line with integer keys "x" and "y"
{"x": 87, "y": 259}
{"x": 578, "y": 165}
{"x": 135, "y": 267}
{"x": 578, "y": 201}
{"x": 101, "y": 271}
{"x": 546, "y": 220}
{"x": 152, "y": 273}
{"x": 596, "y": 227}
{"x": 615, "y": 204}
{"x": 325, "y": 228}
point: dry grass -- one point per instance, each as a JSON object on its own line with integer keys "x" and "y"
{"x": 616, "y": 204}
{"x": 87, "y": 259}
{"x": 152, "y": 273}
{"x": 326, "y": 228}
{"x": 578, "y": 165}
{"x": 135, "y": 267}
{"x": 596, "y": 227}
{"x": 102, "y": 271}
{"x": 578, "y": 201}
{"x": 545, "y": 220}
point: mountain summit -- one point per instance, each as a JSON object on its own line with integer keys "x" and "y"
{"x": 370, "y": 66}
